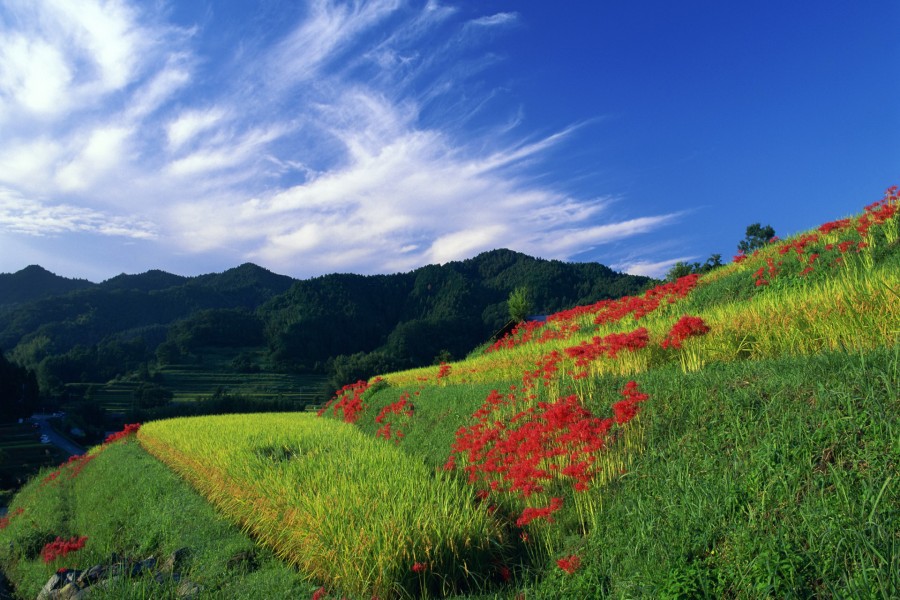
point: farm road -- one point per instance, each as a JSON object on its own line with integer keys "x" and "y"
{"x": 55, "y": 439}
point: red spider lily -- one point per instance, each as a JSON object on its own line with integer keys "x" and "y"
{"x": 319, "y": 594}
{"x": 739, "y": 258}
{"x": 609, "y": 311}
{"x": 839, "y": 225}
{"x": 74, "y": 465}
{"x": 608, "y": 346}
{"x": 128, "y": 430}
{"x": 531, "y": 513}
{"x": 348, "y": 400}
{"x": 626, "y": 409}
{"x": 799, "y": 245}
{"x": 4, "y": 521}
{"x": 403, "y": 408}
{"x": 61, "y": 547}
{"x": 569, "y": 564}
{"x": 419, "y": 567}
{"x": 685, "y": 327}
{"x": 444, "y": 371}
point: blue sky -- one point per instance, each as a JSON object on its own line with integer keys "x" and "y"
{"x": 375, "y": 137}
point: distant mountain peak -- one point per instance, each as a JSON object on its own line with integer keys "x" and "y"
{"x": 35, "y": 282}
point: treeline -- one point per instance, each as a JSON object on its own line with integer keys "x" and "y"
{"x": 19, "y": 394}
{"x": 348, "y": 325}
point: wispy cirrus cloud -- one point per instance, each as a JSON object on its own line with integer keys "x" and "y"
{"x": 26, "y": 216}
{"x": 340, "y": 144}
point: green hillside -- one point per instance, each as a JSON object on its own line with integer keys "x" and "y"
{"x": 341, "y": 325}
{"x": 732, "y": 435}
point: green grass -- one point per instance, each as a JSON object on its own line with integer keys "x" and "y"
{"x": 764, "y": 464}
{"x": 770, "y": 478}
{"x": 348, "y": 510}
{"x": 126, "y": 502}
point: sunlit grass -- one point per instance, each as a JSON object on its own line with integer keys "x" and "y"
{"x": 346, "y": 509}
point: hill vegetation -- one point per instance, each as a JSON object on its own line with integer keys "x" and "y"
{"x": 726, "y": 435}
{"x": 135, "y": 327}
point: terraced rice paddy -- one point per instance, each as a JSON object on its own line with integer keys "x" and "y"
{"x": 345, "y": 508}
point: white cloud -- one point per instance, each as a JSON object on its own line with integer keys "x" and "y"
{"x": 28, "y": 164}
{"x": 31, "y": 217}
{"x": 189, "y": 124}
{"x": 656, "y": 269}
{"x": 228, "y": 153}
{"x": 308, "y": 154}
{"x": 329, "y": 28}
{"x": 503, "y": 18}
{"x": 154, "y": 94}
{"x": 106, "y": 32}
{"x": 34, "y": 75}
{"x": 105, "y": 149}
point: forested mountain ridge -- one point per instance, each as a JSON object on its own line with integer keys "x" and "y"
{"x": 35, "y": 282}
{"x": 103, "y": 330}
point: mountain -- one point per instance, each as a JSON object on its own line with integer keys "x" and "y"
{"x": 97, "y": 331}
{"x": 145, "y": 282}
{"x": 35, "y": 282}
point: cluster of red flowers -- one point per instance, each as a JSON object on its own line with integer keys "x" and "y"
{"x": 610, "y": 311}
{"x": 608, "y": 346}
{"x": 554, "y": 441}
{"x": 419, "y": 567}
{"x": 61, "y": 547}
{"x": 879, "y": 212}
{"x": 685, "y": 327}
{"x": 403, "y": 408}
{"x": 348, "y": 400}
{"x": 74, "y": 465}
{"x": 526, "y": 332}
{"x": 640, "y": 306}
{"x": 604, "y": 311}
{"x": 128, "y": 430}
{"x": 4, "y": 521}
{"x": 520, "y": 334}
{"x": 532, "y": 513}
{"x": 625, "y": 410}
{"x": 569, "y": 564}
{"x": 808, "y": 247}
{"x": 839, "y": 225}
{"x": 770, "y": 269}
{"x": 444, "y": 371}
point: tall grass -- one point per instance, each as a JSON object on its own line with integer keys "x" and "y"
{"x": 131, "y": 506}
{"x": 348, "y": 510}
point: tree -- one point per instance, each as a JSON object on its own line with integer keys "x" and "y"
{"x": 519, "y": 304}
{"x": 681, "y": 268}
{"x": 756, "y": 237}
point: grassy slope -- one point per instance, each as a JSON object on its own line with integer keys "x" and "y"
{"x": 769, "y": 472}
{"x": 768, "y": 478}
{"x": 126, "y": 502}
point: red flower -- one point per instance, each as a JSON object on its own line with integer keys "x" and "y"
{"x": 60, "y": 547}
{"x": 348, "y": 400}
{"x": 128, "y": 430}
{"x": 419, "y": 567}
{"x": 685, "y": 327}
{"x": 318, "y": 594}
{"x": 569, "y": 564}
